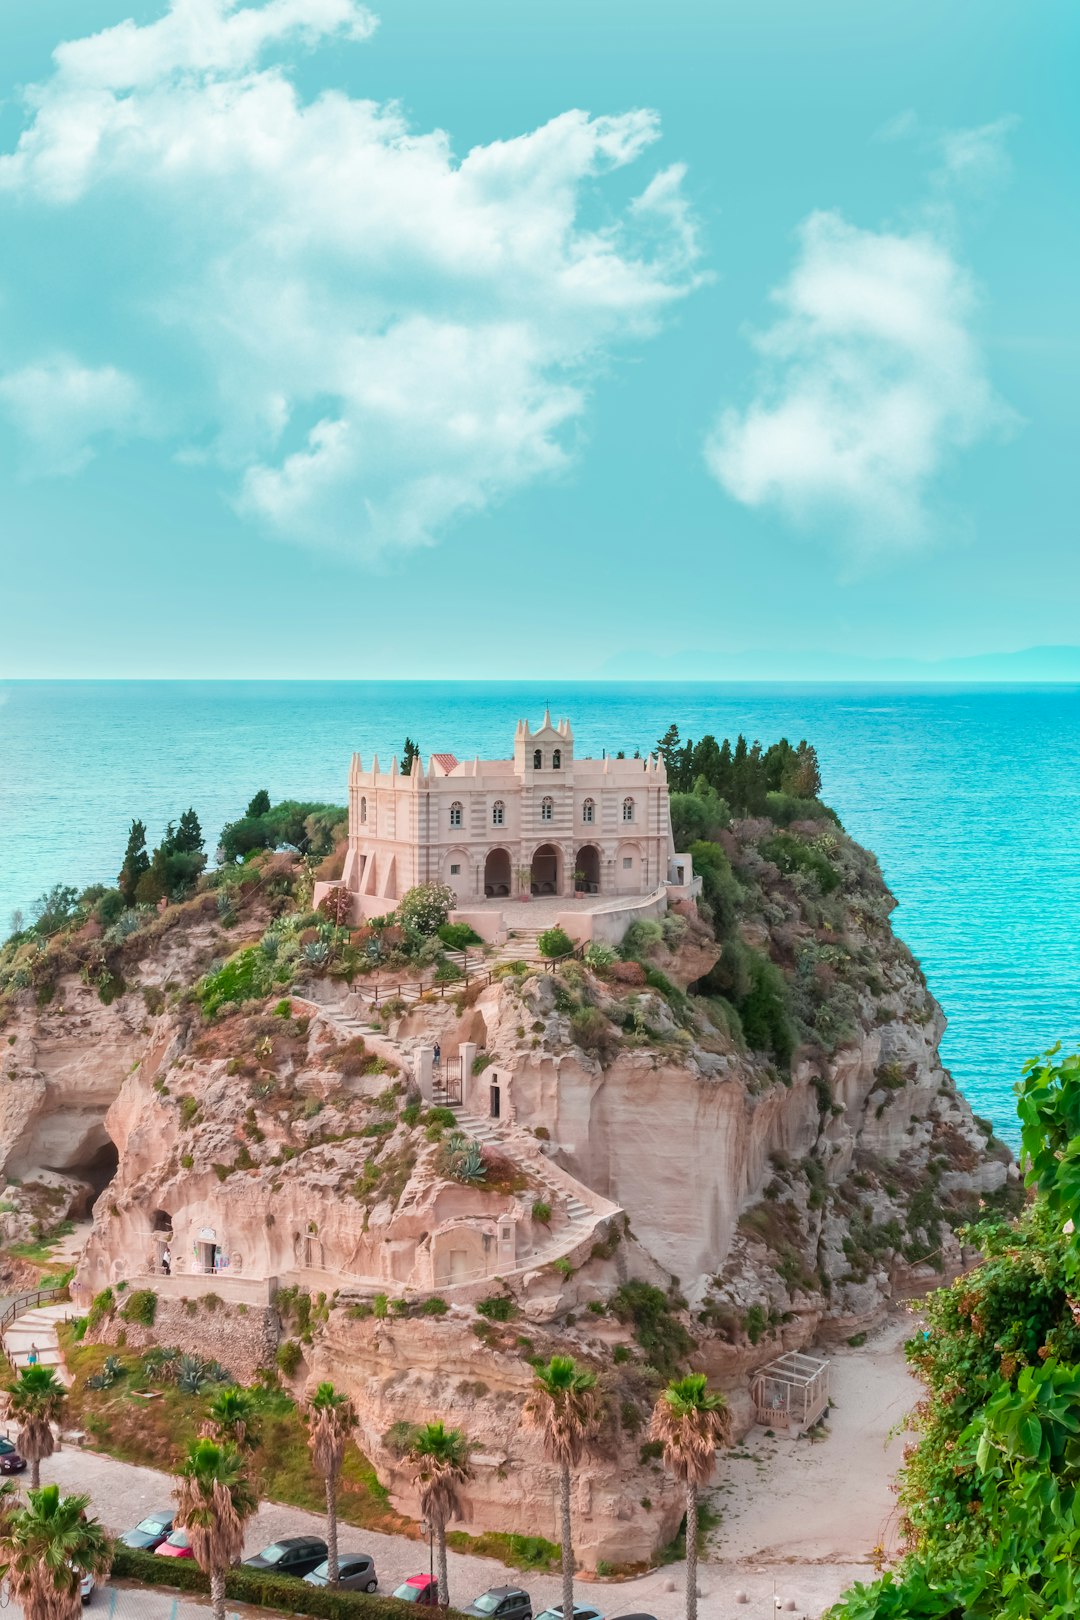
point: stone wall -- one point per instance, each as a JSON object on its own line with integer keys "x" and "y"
{"x": 242, "y": 1338}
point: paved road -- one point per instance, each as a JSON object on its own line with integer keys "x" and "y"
{"x": 122, "y": 1494}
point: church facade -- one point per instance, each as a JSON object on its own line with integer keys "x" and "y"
{"x": 542, "y": 822}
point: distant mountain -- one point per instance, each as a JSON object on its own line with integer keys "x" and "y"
{"x": 1031, "y": 664}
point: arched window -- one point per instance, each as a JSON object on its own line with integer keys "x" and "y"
{"x": 363, "y": 809}
{"x": 588, "y": 810}
{"x": 538, "y": 759}
{"x": 628, "y": 809}
{"x": 455, "y": 813}
{"x": 498, "y": 813}
{"x": 556, "y": 760}
{"x": 547, "y": 809}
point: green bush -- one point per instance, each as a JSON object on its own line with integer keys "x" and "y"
{"x": 791, "y": 854}
{"x": 434, "y": 1306}
{"x": 278, "y": 1592}
{"x": 423, "y": 910}
{"x": 244, "y": 977}
{"x": 642, "y": 937}
{"x": 541, "y": 1212}
{"x": 140, "y": 1306}
{"x": 497, "y": 1308}
{"x": 101, "y": 1305}
{"x": 289, "y": 1356}
{"x": 598, "y": 955}
{"x": 555, "y": 942}
{"x": 458, "y": 936}
{"x": 655, "y": 1325}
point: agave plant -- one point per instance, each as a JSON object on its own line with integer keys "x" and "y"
{"x": 191, "y": 1375}
{"x": 467, "y": 1162}
{"x": 317, "y": 953}
{"x": 112, "y": 1368}
{"x": 159, "y": 1366}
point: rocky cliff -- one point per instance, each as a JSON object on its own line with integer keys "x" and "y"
{"x": 735, "y": 1137}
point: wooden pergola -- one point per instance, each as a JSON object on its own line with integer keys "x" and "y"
{"x": 791, "y": 1392}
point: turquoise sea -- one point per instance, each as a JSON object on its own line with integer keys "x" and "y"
{"x": 969, "y": 797}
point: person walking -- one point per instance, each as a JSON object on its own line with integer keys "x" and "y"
{"x": 438, "y": 1055}
{"x": 166, "y": 1261}
{"x": 31, "y": 1359}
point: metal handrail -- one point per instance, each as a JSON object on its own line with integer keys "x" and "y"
{"x": 547, "y": 964}
{"x": 22, "y": 1301}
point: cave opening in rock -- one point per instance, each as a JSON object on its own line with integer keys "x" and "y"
{"x": 95, "y": 1172}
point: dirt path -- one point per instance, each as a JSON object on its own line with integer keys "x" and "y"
{"x": 789, "y": 1502}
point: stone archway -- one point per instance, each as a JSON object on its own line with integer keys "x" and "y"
{"x": 587, "y": 863}
{"x": 497, "y": 874}
{"x": 546, "y": 871}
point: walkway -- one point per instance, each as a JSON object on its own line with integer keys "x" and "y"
{"x": 38, "y": 1328}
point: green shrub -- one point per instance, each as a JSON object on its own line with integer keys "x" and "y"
{"x": 541, "y": 1212}
{"x": 458, "y": 936}
{"x": 244, "y": 977}
{"x": 598, "y": 956}
{"x": 289, "y": 1356}
{"x": 434, "y": 1306}
{"x": 791, "y": 854}
{"x": 425, "y": 909}
{"x": 655, "y": 1325}
{"x": 101, "y": 1305}
{"x": 554, "y": 942}
{"x": 497, "y": 1308}
{"x": 140, "y": 1306}
{"x": 642, "y": 937}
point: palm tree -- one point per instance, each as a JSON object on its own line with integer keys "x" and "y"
{"x": 330, "y": 1420}
{"x": 440, "y": 1464}
{"x": 214, "y": 1500}
{"x": 38, "y": 1401}
{"x": 46, "y": 1548}
{"x": 690, "y": 1421}
{"x": 563, "y": 1406}
{"x": 232, "y": 1418}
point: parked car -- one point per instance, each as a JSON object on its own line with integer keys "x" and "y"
{"x": 10, "y": 1461}
{"x": 634, "y": 1617}
{"x": 150, "y": 1532}
{"x": 295, "y": 1555}
{"x": 356, "y": 1573}
{"x": 176, "y": 1545}
{"x": 422, "y": 1589}
{"x": 86, "y": 1588}
{"x": 582, "y": 1611}
{"x": 506, "y": 1602}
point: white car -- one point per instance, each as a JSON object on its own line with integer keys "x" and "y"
{"x": 582, "y": 1611}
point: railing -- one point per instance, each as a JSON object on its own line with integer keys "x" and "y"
{"x": 454, "y": 987}
{"x": 15, "y": 1308}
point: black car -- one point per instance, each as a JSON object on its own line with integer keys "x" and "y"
{"x": 505, "y": 1602}
{"x": 149, "y": 1532}
{"x": 356, "y": 1573}
{"x": 10, "y": 1461}
{"x": 295, "y": 1555}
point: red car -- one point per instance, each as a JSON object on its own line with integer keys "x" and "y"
{"x": 175, "y": 1546}
{"x": 422, "y": 1589}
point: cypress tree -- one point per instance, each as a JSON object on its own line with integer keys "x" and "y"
{"x": 410, "y": 752}
{"x": 188, "y": 838}
{"x": 136, "y": 862}
{"x": 260, "y": 804}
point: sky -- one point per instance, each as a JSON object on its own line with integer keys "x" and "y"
{"x": 455, "y": 337}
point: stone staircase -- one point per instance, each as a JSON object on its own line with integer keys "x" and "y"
{"x": 38, "y": 1327}
{"x": 580, "y": 1217}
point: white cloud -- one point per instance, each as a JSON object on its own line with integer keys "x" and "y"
{"x": 872, "y": 379}
{"x": 390, "y": 336}
{"x": 59, "y": 408}
{"x": 976, "y": 158}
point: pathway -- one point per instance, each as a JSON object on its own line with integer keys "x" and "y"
{"x": 37, "y": 1328}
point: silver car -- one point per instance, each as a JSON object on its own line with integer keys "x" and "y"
{"x": 356, "y": 1573}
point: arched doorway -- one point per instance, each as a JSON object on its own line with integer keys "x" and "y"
{"x": 497, "y": 874}
{"x": 587, "y": 869}
{"x": 545, "y": 870}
